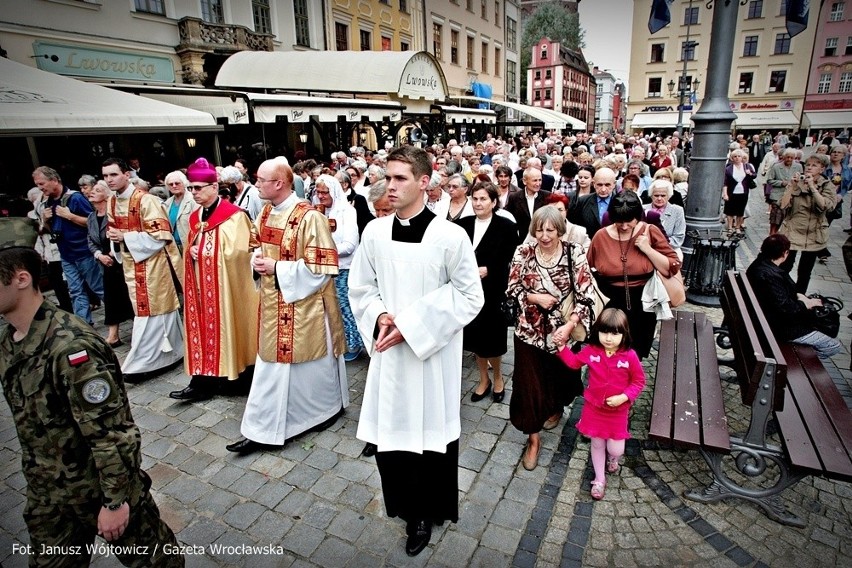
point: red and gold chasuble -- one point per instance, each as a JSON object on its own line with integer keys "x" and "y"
{"x": 220, "y": 310}
{"x": 296, "y": 333}
{"x": 151, "y": 283}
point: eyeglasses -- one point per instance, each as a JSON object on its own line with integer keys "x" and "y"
{"x": 318, "y": 192}
{"x": 262, "y": 181}
{"x": 195, "y": 188}
{"x": 174, "y": 183}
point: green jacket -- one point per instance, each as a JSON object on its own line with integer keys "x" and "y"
{"x": 79, "y": 443}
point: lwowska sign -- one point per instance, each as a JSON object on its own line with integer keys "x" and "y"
{"x": 104, "y": 64}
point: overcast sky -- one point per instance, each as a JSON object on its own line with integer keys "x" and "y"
{"x": 608, "y": 25}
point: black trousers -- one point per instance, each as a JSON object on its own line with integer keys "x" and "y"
{"x": 803, "y": 272}
{"x": 421, "y": 486}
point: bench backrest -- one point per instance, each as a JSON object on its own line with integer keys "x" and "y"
{"x": 755, "y": 348}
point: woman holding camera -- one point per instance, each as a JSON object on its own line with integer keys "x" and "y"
{"x": 807, "y": 199}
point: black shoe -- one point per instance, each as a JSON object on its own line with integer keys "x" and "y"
{"x": 498, "y": 396}
{"x": 245, "y": 446}
{"x": 136, "y": 377}
{"x": 419, "y": 534}
{"x": 191, "y": 393}
{"x": 369, "y": 450}
{"x": 328, "y": 423}
{"x": 474, "y": 397}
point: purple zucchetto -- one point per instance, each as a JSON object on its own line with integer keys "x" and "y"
{"x": 202, "y": 171}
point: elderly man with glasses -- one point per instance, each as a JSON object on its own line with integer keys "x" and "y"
{"x": 220, "y": 318}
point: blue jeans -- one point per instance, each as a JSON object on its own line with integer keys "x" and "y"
{"x": 824, "y": 345}
{"x": 350, "y": 326}
{"x": 87, "y": 270}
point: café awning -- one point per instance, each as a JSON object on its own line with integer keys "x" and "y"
{"x": 267, "y": 108}
{"x": 827, "y": 119}
{"x": 400, "y": 74}
{"x": 468, "y": 115}
{"x": 658, "y": 119}
{"x": 767, "y": 119}
{"x": 38, "y": 103}
{"x": 550, "y": 118}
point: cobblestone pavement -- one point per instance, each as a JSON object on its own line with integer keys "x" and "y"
{"x": 321, "y": 502}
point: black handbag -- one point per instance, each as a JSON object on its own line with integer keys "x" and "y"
{"x": 510, "y": 308}
{"x": 826, "y": 318}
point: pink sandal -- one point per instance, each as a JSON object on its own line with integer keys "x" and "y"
{"x": 598, "y": 490}
{"x": 612, "y": 465}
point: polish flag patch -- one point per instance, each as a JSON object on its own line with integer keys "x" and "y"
{"x": 78, "y": 358}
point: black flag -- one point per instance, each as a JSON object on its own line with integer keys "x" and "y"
{"x": 660, "y": 16}
{"x": 797, "y": 16}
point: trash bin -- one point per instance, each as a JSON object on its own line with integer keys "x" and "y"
{"x": 713, "y": 253}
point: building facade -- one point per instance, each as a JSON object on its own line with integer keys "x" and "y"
{"x": 767, "y": 83}
{"x": 559, "y": 79}
{"x": 374, "y": 25}
{"x": 467, "y": 39}
{"x": 828, "y": 103}
{"x": 608, "y": 99}
{"x": 512, "y": 38}
{"x": 168, "y": 41}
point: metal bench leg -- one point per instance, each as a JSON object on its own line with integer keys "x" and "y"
{"x": 750, "y": 462}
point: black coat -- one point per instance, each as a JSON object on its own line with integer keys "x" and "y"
{"x": 516, "y": 204}
{"x": 787, "y": 316}
{"x": 584, "y": 212}
{"x": 486, "y": 334}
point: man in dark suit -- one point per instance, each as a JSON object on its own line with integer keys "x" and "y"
{"x": 589, "y": 209}
{"x": 522, "y": 204}
{"x": 756, "y": 152}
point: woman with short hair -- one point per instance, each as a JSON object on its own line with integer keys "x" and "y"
{"x": 739, "y": 180}
{"x": 541, "y": 277}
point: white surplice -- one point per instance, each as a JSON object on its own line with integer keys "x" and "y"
{"x": 157, "y": 340}
{"x": 288, "y": 399}
{"x": 412, "y": 395}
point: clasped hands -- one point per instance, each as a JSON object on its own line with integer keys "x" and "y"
{"x": 389, "y": 334}
{"x": 259, "y": 263}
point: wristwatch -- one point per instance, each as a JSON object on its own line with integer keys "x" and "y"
{"x": 115, "y": 506}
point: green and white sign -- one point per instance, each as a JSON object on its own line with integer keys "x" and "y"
{"x": 103, "y": 64}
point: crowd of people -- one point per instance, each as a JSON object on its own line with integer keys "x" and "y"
{"x": 409, "y": 256}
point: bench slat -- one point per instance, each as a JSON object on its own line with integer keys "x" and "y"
{"x": 661, "y": 409}
{"x": 714, "y": 422}
{"x": 687, "y": 411}
{"x": 818, "y": 410}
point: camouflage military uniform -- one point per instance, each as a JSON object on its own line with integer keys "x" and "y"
{"x": 79, "y": 444}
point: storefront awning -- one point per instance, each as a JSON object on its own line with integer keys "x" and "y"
{"x": 467, "y": 115}
{"x": 658, "y": 120}
{"x": 267, "y": 108}
{"x": 550, "y": 118}
{"x": 827, "y": 119}
{"x": 38, "y": 103}
{"x": 411, "y": 74}
{"x": 767, "y": 119}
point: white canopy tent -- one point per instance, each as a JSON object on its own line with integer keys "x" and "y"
{"x": 550, "y": 118}
{"x": 38, "y": 103}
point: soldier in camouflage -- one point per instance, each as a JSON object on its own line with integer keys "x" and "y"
{"x": 80, "y": 447}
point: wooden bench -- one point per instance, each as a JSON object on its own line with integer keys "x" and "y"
{"x": 787, "y": 381}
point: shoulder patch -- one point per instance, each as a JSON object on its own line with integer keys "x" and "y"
{"x": 96, "y": 391}
{"x": 78, "y": 358}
